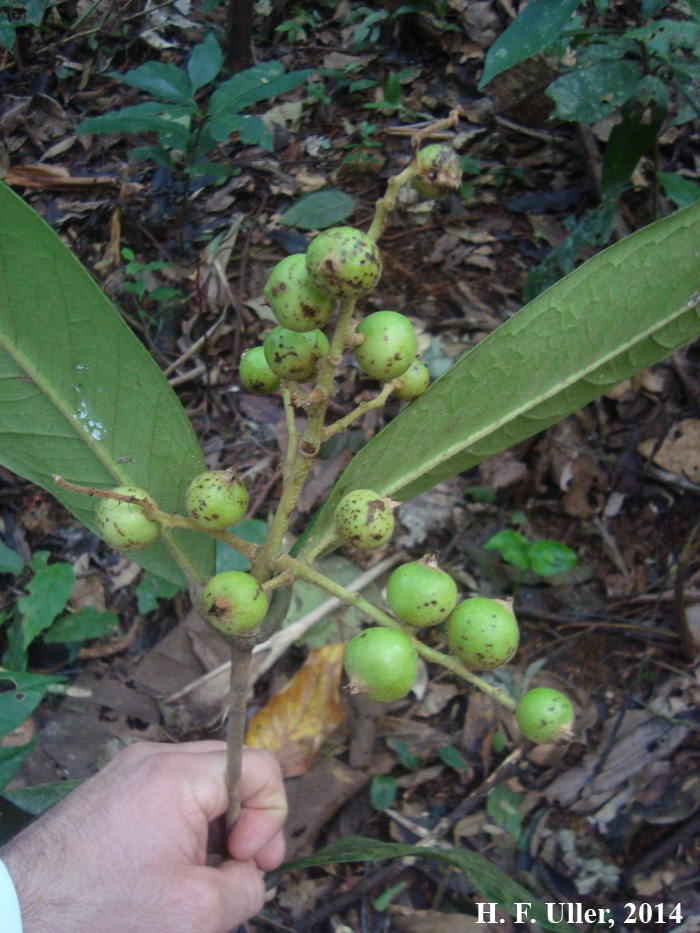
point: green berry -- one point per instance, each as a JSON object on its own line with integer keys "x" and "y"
{"x": 295, "y": 302}
{"x": 414, "y": 382}
{"x": 293, "y": 355}
{"x": 421, "y": 594}
{"x": 216, "y": 499}
{"x": 364, "y": 519}
{"x": 389, "y": 347}
{"x": 440, "y": 171}
{"x": 344, "y": 262}
{"x": 545, "y": 715}
{"x": 381, "y": 663}
{"x": 255, "y": 373}
{"x": 124, "y": 525}
{"x": 235, "y": 603}
{"x": 483, "y": 633}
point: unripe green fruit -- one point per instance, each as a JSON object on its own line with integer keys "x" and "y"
{"x": 293, "y": 355}
{"x": 344, "y": 262}
{"x": 364, "y": 519}
{"x": 123, "y": 525}
{"x": 440, "y": 171}
{"x": 421, "y": 594}
{"x": 389, "y": 347}
{"x": 381, "y": 663}
{"x": 414, "y": 382}
{"x": 483, "y": 633}
{"x": 296, "y": 303}
{"x": 545, "y": 715}
{"x": 255, "y": 373}
{"x": 235, "y": 603}
{"x": 216, "y": 499}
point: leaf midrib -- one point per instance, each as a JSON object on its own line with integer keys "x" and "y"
{"x": 61, "y": 405}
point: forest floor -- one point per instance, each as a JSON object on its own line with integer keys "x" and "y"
{"x": 610, "y": 820}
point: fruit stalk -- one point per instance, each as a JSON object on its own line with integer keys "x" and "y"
{"x": 301, "y": 569}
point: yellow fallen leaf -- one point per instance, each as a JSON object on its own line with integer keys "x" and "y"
{"x": 298, "y": 719}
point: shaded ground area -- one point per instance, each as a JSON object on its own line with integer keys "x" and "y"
{"x": 609, "y": 821}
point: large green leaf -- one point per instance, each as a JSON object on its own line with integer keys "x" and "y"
{"x": 628, "y": 307}
{"x": 491, "y": 882}
{"x": 536, "y": 27}
{"x": 79, "y": 395}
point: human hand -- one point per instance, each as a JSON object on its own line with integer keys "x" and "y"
{"x": 126, "y": 851}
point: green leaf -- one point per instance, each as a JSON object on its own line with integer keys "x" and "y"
{"x": 404, "y": 753}
{"x": 262, "y": 82}
{"x": 548, "y": 558}
{"x": 630, "y": 306}
{"x": 252, "y": 530}
{"x": 383, "y": 901}
{"x": 166, "y": 82}
{"x": 86, "y": 623}
{"x": 536, "y": 27}
{"x": 252, "y": 130}
{"x": 20, "y": 694}
{"x": 502, "y": 807}
{"x": 151, "y": 589}
{"x": 39, "y": 798}
{"x": 679, "y": 189}
{"x": 382, "y": 791}
{"x": 10, "y": 561}
{"x": 512, "y": 546}
{"x": 12, "y": 758}
{"x": 7, "y": 33}
{"x": 49, "y": 591}
{"x": 170, "y": 121}
{"x": 493, "y": 884}
{"x": 392, "y": 90}
{"x": 627, "y": 143}
{"x": 35, "y": 10}
{"x": 591, "y": 93}
{"x": 80, "y": 396}
{"x": 451, "y": 757}
{"x": 319, "y": 210}
{"x": 205, "y": 63}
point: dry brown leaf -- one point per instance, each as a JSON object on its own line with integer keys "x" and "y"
{"x": 296, "y": 721}
{"x": 54, "y": 177}
{"x": 680, "y": 451}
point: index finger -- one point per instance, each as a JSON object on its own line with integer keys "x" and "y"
{"x": 263, "y": 805}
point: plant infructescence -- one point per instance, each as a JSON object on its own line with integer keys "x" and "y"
{"x": 470, "y": 413}
{"x": 307, "y": 293}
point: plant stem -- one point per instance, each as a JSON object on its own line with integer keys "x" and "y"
{"x": 301, "y": 569}
{"x": 241, "y": 651}
{"x": 361, "y": 409}
{"x": 307, "y": 445}
{"x": 165, "y": 519}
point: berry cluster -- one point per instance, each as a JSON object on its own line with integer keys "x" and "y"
{"x": 382, "y": 663}
{"x": 343, "y": 264}
{"x": 307, "y": 294}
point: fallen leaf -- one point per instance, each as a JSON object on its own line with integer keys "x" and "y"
{"x": 680, "y": 450}
{"x": 298, "y": 719}
{"x": 53, "y": 178}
